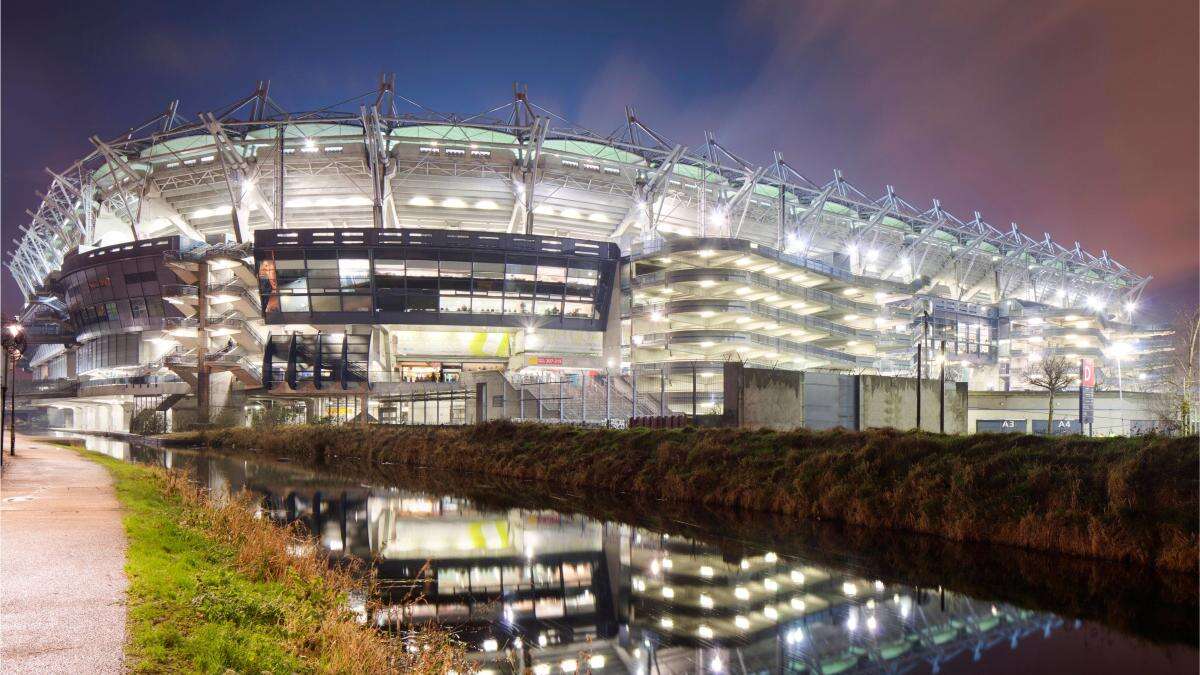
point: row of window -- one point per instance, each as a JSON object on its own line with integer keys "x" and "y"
{"x": 423, "y": 302}
{"x": 115, "y": 280}
{"x": 117, "y": 311}
{"x": 325, "y": 282}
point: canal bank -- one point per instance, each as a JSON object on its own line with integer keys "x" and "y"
{"x": 213, "y": 587}
{"x": 1124, "y": 499}
{"x": 537, "y": 575}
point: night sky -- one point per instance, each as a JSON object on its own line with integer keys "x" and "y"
{"x": 1069, "y": 117}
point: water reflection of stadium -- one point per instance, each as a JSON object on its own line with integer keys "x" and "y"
{"x": 556, "y": 593}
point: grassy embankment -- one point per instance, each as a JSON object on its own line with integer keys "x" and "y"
{"x": 212, "y": 589}
{"x": 1125, "y": 499}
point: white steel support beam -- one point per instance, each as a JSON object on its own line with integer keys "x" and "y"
{"x": 647, "y": 207}
{"x": 740, "y": 201}
{"x": 857, "y": 239}
{"x": 816, "y": 208}
{"x": 116, "y": 162}
{"x": 530, "y": 155}
{"x": 377, "y": 162}
{"x": 238, "y": 179}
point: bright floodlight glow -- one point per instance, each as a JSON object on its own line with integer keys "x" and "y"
{"x": 717, "y": 217}
{"x": 1130, "y": 307}
{"x": 872, "y": 255}
{"x": 310, "y": 144}
{"x": 1095, "y": 303}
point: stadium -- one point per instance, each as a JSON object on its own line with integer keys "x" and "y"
{"x": 377, "y": 260}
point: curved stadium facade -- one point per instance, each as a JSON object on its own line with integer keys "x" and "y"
{"x": 429, "y": 268}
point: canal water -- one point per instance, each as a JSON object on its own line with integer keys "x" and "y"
{"x": 536, "y": 581}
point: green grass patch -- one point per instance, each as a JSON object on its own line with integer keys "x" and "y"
{"x": 214, "y": 589}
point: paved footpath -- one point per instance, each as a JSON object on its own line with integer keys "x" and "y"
{"x": 62, "y": 558}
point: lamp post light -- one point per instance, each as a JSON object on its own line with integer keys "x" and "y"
{"x": 13, "y": 341}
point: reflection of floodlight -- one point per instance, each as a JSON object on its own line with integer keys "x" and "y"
{"x": 872, "y": 255}
{"x": 1130, "y": 306}
{"x": 14, "y": 329}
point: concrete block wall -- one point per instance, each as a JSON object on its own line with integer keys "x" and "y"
{"x": 892, "y": 402}
{"x": 786, "y": 399}
{"x": 757, "y": 397}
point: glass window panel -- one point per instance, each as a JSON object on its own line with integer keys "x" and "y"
{"x": 484, "y": 305}
{"x": 390, "y": 302}
{"x": 584, "y": 278}
{"x": 456, "y": 269}
{"x": 551, "y": 273}
{"x": 521, "y": 272}
{"x": 294, "y": 303}
{"x": 453, "y": 303}
{"x": 516, "y": 305}
{"x": 422, "y": 268}
{"x": 356, "y": 303}
{"x": 489, "y": 286}
{"x": 354, "y": 272}
{"x": 581, "y": 310}
{"x": 326, "y": 303}
{"x": 422, "y": 303}
{"x": 548, "y": 307}
{"x": 389, "y": 267}
{"x": 489, "y": 270}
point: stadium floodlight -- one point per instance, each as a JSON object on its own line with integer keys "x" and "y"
{"x": 717, "y": 217}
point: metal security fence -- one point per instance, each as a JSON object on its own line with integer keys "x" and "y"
{"x": 611, "y": 399}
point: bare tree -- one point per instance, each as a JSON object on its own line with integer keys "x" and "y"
{"x": 1054, "y": 374}
{"x": 1181, "y": 383}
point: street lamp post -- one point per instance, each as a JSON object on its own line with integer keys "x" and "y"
{"x": 13, "y": 341}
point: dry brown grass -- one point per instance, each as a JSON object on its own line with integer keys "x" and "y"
{"x": 1126, "y": 499}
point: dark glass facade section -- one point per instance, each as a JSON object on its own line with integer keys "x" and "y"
{"x": 433, "y": 277}
{"x": 118, "y": 287}
{"x": 108, "y": 351}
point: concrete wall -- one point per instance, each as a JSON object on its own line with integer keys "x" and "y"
{"x": 93, "y": 416}
{"x": 892, "y": 402}
{"x": 830, "y": 400}
{"x": 501, "y": 400}
{"x": 1115, "y": 414}
{"x": 786, "y": 399}
{"x": 758, "y": 397}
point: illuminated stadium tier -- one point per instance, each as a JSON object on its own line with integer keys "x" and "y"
{"x": 443, "y": 247}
